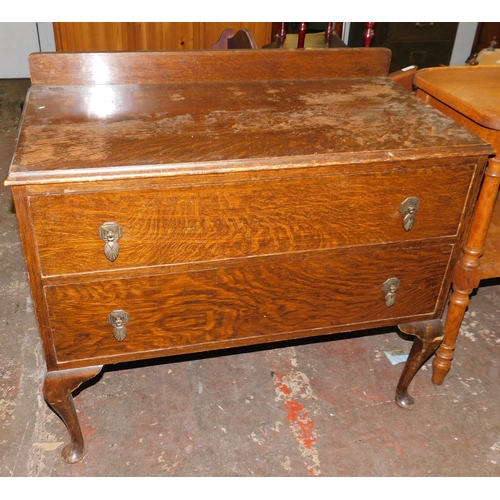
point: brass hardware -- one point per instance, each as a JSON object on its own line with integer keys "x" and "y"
{"x": 110, "y": 232}
{"x": 422, "y": 25}
{"x": 389, "y": 288}
{"x": 118, "y": 319}
{"x": 408, "y": 209}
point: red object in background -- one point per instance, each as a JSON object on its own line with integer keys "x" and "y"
{"x": 368, "y": 34}
{"x": 302, "y": 35}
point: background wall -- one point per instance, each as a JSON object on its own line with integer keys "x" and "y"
{"x": 18, "y": 41}
{"x": 463, "y": 43}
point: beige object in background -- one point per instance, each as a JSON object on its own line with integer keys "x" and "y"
{"x": 487, "y": 56}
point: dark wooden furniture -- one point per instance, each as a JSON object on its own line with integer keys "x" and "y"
{"x": 242, "y": 39}
{"x": 471, "y": 96}
{"x": 181, "y": 202}
{"x": 485, "y": 33}
{"x": 419, "y": 44}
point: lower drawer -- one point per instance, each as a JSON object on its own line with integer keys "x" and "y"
{"x": 245, "y": 301}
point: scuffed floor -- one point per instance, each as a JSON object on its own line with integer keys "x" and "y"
{"x": 324, "y": 407}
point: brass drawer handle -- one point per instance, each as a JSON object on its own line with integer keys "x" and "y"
{"x": 408, "y": 208}
{"x": 110, "y": 233}
{"x": 390, "y": 288}
{"x": 118, "y": 319}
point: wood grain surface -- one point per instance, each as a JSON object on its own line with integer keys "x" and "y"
{"x": 246, "y": 301}
{"x": 113, "y": 131}
{"x": 133, "y": 36}
{"x": 150, "y": 67}
{"x": 471, "y": 98}
{"x": 229, "y": 220}
{"x": 472, "y": 91}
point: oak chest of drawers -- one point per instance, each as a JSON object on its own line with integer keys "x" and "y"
{"x": 180, "y": 202}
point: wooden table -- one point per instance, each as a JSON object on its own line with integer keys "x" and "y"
{"x": 180, "y": 202}
{"x": 471, "y": 96}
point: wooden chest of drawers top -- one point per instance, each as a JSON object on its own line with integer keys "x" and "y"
{"x": 120, "y": 116}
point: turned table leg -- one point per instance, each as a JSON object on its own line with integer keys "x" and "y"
{"x": 429, "y": 335}
{"x": 57, "y": 390}
{"x": 468, "y": 271}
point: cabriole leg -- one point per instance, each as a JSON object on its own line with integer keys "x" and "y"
{"x": 57, "y": 390}
{"x": 429, "y": 335}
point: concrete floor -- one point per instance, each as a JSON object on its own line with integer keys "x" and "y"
{"x": 322, "y": 407}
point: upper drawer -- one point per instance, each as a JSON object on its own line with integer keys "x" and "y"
{"x": 181, "y": 224}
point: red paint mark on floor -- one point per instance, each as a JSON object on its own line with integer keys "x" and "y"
{"x": 290, "y": 386}
{"x": 282, "y": 387}
{"x": 296, "y": 414}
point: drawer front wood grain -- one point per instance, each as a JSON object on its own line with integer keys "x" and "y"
{"x": 267, "y": 296}
{"x": 222, "y": 221}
